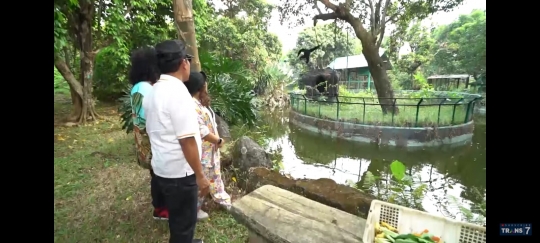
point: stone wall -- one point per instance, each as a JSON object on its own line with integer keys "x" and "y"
{"x": 386, "y": 135}
{"x": 325, "y": 191}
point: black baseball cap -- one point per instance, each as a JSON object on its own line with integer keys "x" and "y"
{"x": 196, "y": 82}
{"x": 171, "y": 50}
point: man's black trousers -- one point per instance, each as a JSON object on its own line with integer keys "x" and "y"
{"x": 180, "y": 196}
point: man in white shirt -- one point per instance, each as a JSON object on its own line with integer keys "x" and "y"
{"x": 171, "y": 124}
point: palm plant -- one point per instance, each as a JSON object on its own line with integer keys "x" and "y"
{"x": 230, "y": 88}
{"x": 272, "y": 78}
{"x": 125, "y": 110}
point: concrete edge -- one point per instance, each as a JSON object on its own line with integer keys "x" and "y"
{"x": 457, "y": 140}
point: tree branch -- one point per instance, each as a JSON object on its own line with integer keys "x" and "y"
{"x": 372, "y": 15}
{"x": 104, "y": 45}
{"x": 329, "y": 5}
{"x": 383, "y": 23}
{"x": 316, "y": 7}
{"x": 326, "y": 16}
{"x": 376, "y": 26}
{"x": 99, "y": 16}
{"x": 63, "y": 68}
{"x": 394, "y": 16}
{"x": 341, "y": 12}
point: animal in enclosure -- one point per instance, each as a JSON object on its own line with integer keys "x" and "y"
{"x": 307, "y": 52}
{"x": 320, "y": 82}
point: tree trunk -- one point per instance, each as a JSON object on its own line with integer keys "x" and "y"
{"x": 183, "y": 16}
{"x": 81, "y": 92}
{"x": 385, "y": 93}
{"x": 87, "y": 61}
{"x": 370, "y": 49}
{"x": 76, "y": 102}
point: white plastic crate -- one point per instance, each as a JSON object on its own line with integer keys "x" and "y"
{"x": 408, "y": 220}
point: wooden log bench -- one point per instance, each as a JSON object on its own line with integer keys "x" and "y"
{"x": 274, "y": 215}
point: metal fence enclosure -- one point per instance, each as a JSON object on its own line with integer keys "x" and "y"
{"x": 438, "y": 109}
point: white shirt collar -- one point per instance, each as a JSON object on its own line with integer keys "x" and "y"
{"x": 166, "y": 77}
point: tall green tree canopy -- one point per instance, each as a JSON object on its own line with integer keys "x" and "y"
{"x": 240, "y": 31}
{"x": 461, "y": 46}
{"x": 456, "y": 48}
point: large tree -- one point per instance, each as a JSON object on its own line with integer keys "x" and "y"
{"x": 369, "y": 20}
{"x": 75, "y": 19}
{"x": 83, "y": 28}
{"x": 418, "y": 41}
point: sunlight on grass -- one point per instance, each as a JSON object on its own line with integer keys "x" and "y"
{"x": 102, "y": 195}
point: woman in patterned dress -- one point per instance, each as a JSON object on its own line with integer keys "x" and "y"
{"x": 210, "y": 159}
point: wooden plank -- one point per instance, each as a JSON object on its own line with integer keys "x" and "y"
{"x": 281, "y": 216}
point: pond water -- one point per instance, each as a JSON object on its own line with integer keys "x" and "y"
{"x": 453, "y": 178}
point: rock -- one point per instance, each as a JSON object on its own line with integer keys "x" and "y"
{"x": 274, "y": 215}
{"x": 70, "y": 124}
{"x": 325, "y": 191}
{"x": 223, "y": 128}
{"x": 247, "y": 154}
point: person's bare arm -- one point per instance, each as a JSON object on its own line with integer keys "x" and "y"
{"x": 212, "y": 138}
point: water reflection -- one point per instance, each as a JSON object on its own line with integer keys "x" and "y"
{"x": 449, "y": 172}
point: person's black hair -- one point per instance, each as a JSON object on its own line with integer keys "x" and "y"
{"x": 143, "y": 66}
{"x": 196, "y": 82}
{"x": 170, "y": 54}
{"x": 204, "y": 75}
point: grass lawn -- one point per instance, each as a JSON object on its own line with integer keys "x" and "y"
{"x": 102, "y": 195}
{"x": 372, "y": 114}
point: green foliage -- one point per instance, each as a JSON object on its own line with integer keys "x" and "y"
{"x": 426, "y": 90}
{"x": 202, "y": 12}
{"x": 401, "y": 190}
{"x": 59, "y": 31}
{"x": 112, "y": 62}
{"x": 477, "y": 215}
{"x": 418, "y": 39}
{"x": 457, "y": 48}
{"x": 110, "y": 75}
{"x": 272, "y": 78}
{"x": 398, "y": 170}
{"x": 401, "y": 80}
{"x": 230, "y": 88}
{"x": 242, "y": 38}
{"x": 461, "y": 45}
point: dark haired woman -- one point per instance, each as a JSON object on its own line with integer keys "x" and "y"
{"x": 210, "y": 158}
{"x": 142, "y": 75}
